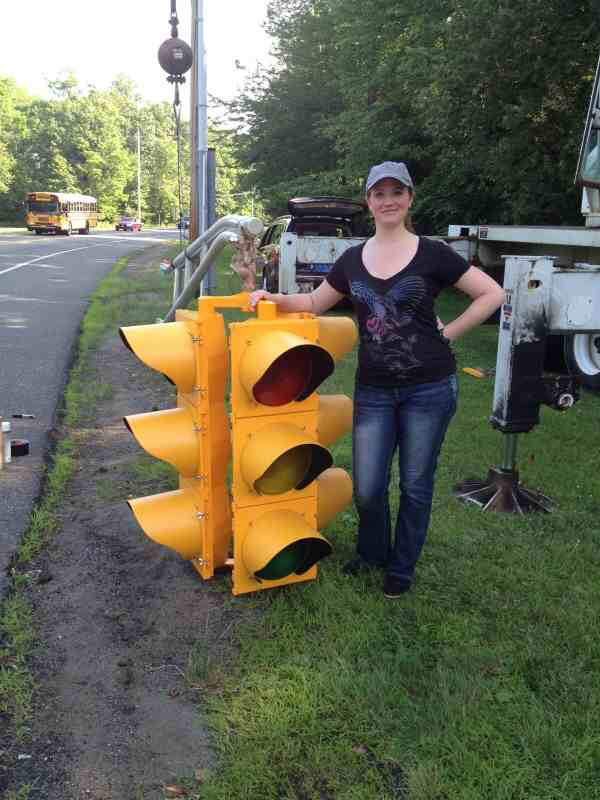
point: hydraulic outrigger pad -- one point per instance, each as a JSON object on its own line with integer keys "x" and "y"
{"x": 501, "y": 491}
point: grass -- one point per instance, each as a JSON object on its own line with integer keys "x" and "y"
{"x": 484, "y": 682}
{"x": 16, "y": 680}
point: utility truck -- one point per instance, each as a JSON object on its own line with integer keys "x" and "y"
{"x": 487, "y": 245}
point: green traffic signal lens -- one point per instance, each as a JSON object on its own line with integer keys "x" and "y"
{"x": 289, "y": 560}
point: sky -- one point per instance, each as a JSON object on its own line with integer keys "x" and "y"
{"x": 101, "y": 39}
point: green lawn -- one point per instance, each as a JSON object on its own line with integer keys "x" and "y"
{"x": 482, "y": 683}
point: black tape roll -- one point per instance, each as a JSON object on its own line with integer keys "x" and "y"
{"x": 19, "y": 447}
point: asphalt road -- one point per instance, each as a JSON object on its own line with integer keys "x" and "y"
{"x": 45, "y": 285}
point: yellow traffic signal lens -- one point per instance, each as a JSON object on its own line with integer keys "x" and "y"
{"x": 286, "y": 473}
{"x": 279, "y": 457}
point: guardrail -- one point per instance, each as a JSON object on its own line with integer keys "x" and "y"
{"x": 193, "y": 263}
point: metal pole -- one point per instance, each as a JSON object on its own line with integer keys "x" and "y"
{"x": 193, "y": 226}
{"x": 509, "y": 457}
{"x": 199, "y": 117}
{"x": 208, "y": 283}
{"x": 139, "y": 174}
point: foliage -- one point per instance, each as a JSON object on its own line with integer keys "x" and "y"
{"x": 87, "y": 142}
{"x": 484, "y": 101}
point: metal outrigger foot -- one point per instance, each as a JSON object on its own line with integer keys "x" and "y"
{"x": 501, "y": 490}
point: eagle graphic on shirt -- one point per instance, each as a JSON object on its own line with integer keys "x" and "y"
{"x": 383, "y": 336}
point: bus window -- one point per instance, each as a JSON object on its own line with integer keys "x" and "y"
{"x": 43, "y": 206}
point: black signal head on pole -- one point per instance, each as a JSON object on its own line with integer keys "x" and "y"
{"x": 175, "y": 57}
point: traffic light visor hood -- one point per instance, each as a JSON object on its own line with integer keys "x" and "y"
{"x": 297, "y": 558}
{"x": 167, "y": 348}
{"x": 171, "y": 519}
{"x": 280, "y": 457}
{"x": 281, "y": 543}
{"x": 279, "y": 367}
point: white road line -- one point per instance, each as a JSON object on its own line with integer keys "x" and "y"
{"x": 74, "y": 249}
{"x": 47, "y": 255}
{"x": 17, "y": 255}
{"x": 132, "y": 239}
{"x": 9, "y": 298}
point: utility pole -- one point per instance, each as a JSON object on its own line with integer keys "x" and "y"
{"x": 198, "y": 117}
{"x": 139, "y": 174}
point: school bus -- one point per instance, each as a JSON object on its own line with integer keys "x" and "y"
{"x": 59, "y": 212}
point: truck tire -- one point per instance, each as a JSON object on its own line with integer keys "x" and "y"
{"x": 582, "y": 354}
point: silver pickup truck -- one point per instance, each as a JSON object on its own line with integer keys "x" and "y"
{"x": 298, "y": 250}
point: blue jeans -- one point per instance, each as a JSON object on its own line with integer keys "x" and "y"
{"x": 413, "y": 420}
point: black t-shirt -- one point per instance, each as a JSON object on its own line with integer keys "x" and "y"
{"x": 400, "y": 344}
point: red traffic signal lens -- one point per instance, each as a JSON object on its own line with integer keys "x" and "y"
{"x": 286, "y": 379}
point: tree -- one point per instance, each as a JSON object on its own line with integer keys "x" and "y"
{"x": 484, "y": 101}
{"x": 512, "y": 90}
{"x": 12, "y": 100}
{"x": 280, "y": 114}
{"x": 160, "y": 189}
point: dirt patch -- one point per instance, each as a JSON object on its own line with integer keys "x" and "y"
{"x": 128, "y": 631}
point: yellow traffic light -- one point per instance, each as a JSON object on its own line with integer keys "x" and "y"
{"x": 194, "y": 520}
{"x": 282, "y": 470}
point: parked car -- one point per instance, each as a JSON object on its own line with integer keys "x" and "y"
{"x": 184, "y": 223}
{"x": 297, "y": 250}
{"x": 128, "y": 224}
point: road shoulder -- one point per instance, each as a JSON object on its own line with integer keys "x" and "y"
{"x": 124, "y": 626}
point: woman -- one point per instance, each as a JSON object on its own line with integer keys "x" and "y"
{"x": 405, "y": 393}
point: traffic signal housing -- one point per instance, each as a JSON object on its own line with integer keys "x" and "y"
{"x": 284, "y": 487}
{"x": 195, "y": 519}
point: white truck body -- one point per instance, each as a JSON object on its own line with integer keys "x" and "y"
{"x": 570, "y": 248}
{"x": 311, "y": 255}
{"x": 487, "y": 244}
